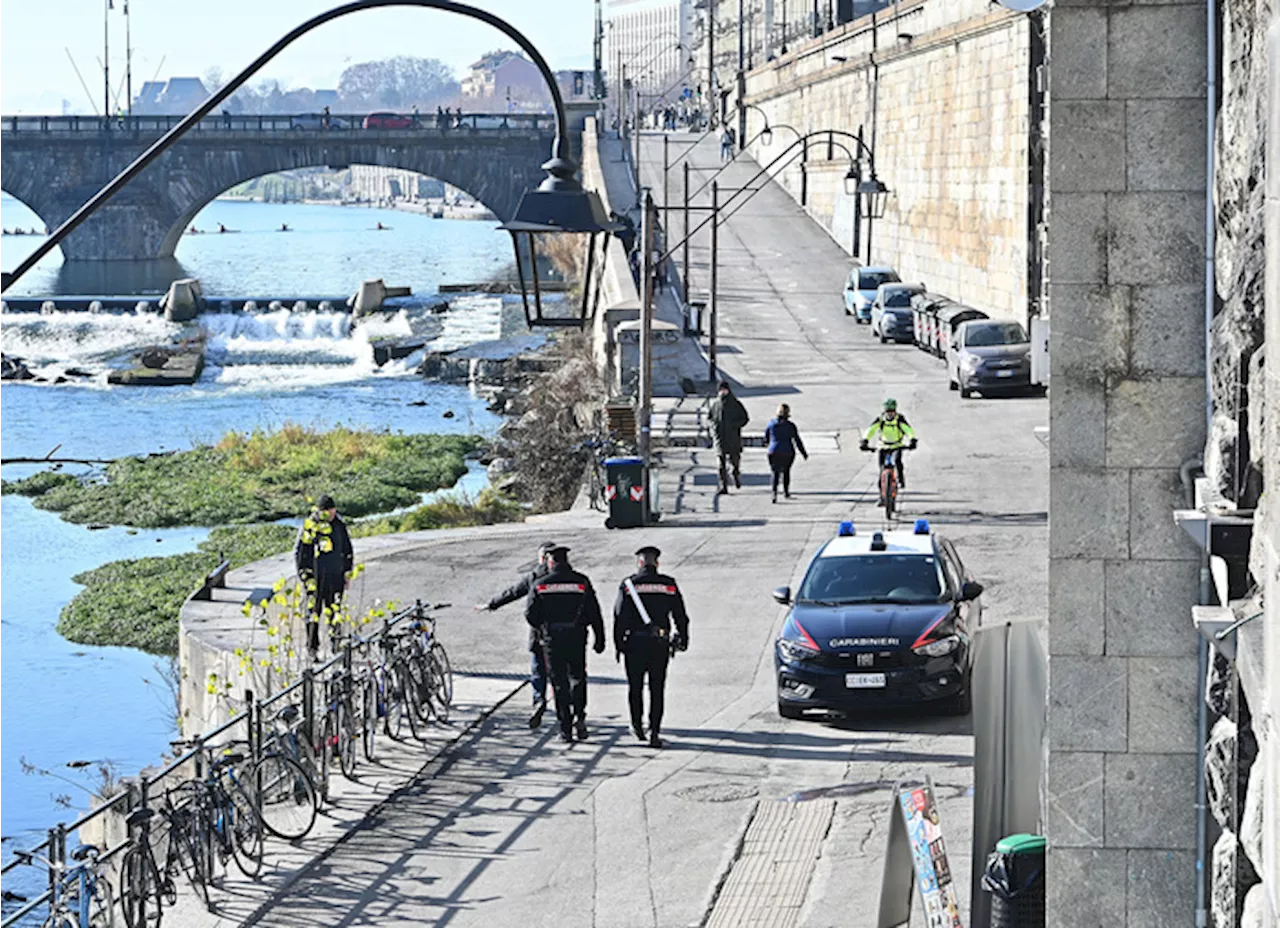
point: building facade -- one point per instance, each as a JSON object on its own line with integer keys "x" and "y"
{"x": 647, "y": 42}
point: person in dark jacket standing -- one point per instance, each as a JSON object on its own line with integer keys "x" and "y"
{"x": 783, "y": 441}
{"x": 561, "y": 606}
{"x": 537, "y": 657}
{"x": 648, "y": 602}
{"x": 324, "y": 558}
{"x": 728, "y": 418}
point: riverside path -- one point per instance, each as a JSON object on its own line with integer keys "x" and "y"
{"x": 743, "y": 812}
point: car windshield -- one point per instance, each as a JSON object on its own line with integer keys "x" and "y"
{"x": 898, "y": 298}
{"x": 870, "y": 280}
{"x": 996, "y": 333}
{"x": 908, "y": 579}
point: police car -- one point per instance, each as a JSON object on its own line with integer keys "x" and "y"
{"x": 880, "y": 619}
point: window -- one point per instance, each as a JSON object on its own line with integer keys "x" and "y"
{"x": 908, "y": 579}
{"x": 870, "y": 280}
{"x": 898, "y": 299}
{"x": 991, "y": 334}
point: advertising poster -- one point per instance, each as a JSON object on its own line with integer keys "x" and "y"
{"x": 929, "y": 856}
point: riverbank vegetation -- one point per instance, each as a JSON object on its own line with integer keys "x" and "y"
{"x": 257, "y": 477}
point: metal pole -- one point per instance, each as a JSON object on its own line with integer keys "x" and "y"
{"x": 742, "y": 75}
{"x": 817, "y": 20}
{"x": 710, "y": 96}
{"x": 804, "y": 173}
{"x": 636, "y": 129}
{"x": 857, "y": 205}
{"x": 646, "y": 324}
{"x": 128, "y": 61}
{"x": 871, "y": 224}
{"x": 715, "y": 259}
{"x": 106, "y": 61}
{"x": 784, "y": 27}
{"x": 598, "y": 81}
{"x": 666, "y": 167}
{"x": 684, "y": 275}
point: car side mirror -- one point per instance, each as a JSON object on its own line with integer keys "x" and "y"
{"x": 971, "y": 590}
{"x": 782, "y": 595}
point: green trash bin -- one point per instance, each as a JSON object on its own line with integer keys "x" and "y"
{"x": 1015, "y": 879}
{"x": 627, "y": 489}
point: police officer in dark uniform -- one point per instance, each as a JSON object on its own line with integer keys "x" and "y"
{"x": 537, "y": 656}
{"x": 562, "y": 605}
{"x": 648, "y": 602}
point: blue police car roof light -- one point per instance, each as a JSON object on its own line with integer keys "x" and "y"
{"x": 877, "y": 542}
{"x": 846, "y": 529}
{"x": 922, "y": 527}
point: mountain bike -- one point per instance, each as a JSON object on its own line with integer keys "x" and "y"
{"x": 888, "y": 482}
{"x": 281, "y": 780}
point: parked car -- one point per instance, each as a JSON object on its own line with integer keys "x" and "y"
{"x": 388, "y": 121}
{"x": 891, "y": 312}
{"x": 989, "y": 355}
{"x": 860, "y": 290}
{"x": 950, "y": 316}
{"x": 882, "y": 618}
{"x": 316, "y": 121}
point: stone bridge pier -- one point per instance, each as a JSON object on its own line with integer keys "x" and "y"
{"x": 56, "y": 173}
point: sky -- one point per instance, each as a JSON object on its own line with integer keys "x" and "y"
{"x": 184, "y": 38}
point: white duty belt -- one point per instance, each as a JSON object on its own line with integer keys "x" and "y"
{"x": 635, "y": 598}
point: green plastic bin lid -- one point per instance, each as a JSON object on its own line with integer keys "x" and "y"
{"x": 1021, "y": 844}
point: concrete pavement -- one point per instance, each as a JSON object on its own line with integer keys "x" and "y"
{"x": 508, "y": 827}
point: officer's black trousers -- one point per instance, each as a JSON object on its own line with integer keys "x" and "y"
{"x": 647, "y": 655}
{"x": 567, "y": 666}
{"x": 325, "y": 603}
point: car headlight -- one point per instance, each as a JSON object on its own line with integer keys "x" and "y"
{"x": 940, "y": 648}
{"x": 792, "y": 650}
{"x": 970, "y": 362}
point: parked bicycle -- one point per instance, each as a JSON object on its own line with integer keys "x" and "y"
{"x": 283, "y": 779}
{"x": 82, "y": 895}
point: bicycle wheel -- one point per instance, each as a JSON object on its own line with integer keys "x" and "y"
{"x": 188, "y": 849}
{"x": 102, "y": 910}
{"x": 441, "y": 678}
{"x": 246, "y": 829}
{"x": 417, "y": 687}
{"x": 347, "y": 735}
{"x": 418, "y": 718}
{"x": 393, "y": 711}
{"x": 139, "y": 899}
{"x": 285, "y": 795}
{"x": 888, "y": 492}
{"x": 369, "y": 717}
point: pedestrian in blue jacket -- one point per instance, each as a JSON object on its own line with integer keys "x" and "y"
{"x": 783, "y": 439}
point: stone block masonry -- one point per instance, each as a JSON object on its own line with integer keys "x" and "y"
{"x": 942, "y": 94}
{"x": 1126, "y": 258}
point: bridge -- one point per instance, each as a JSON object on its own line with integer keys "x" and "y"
{"x": 55, "y": 163}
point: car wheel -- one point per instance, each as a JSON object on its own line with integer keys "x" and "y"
{"x": 951, "y": 384}
{"x": 846, "y": 311}
{"x": 965, "y": 392}
{"x": 788, "y": 711}
{"x": 883, "y": 340}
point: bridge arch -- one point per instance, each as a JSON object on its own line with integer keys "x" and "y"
{"x": 146, "y": 219}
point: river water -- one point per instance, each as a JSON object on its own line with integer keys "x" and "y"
{"x": 64, "y": 702}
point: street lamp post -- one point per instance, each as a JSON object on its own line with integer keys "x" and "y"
{"x": 559, "y": 204}
{"x": 715, "y": 281}
{"x": 645, "y": 400}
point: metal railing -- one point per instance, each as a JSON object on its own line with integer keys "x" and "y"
{"x": 340, "y": 669}
{"x": 335, "y": 124}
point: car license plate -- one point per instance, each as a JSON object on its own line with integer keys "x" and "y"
{"x": 1004, "y": 373}
{"x": 864, "y": 681}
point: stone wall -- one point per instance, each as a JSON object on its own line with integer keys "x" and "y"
{"x": 942, "y": 94}
{"x": 1126, "y": 257}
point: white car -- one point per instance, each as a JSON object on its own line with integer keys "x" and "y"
{"x": 860, "y": 290}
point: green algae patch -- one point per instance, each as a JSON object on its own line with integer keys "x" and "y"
{"x": 135, "y": 603}
{"x": 258, "y": 477}
{"x": 489, "y": 508}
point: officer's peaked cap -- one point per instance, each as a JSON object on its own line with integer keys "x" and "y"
{"x": 546, "y": 547}
{"x": 557, "y": 551}
{"x": 648, "y": 551}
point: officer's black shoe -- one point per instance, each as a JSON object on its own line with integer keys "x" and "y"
{"x": 535, "y": 720}
{"x": 655, "y": 741}
{"x": 639, "y": 731}
{"x": 580, "y": 729}
{"x": 566, "y": 735}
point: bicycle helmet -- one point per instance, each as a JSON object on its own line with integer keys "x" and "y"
{"x": 890, "y": 404}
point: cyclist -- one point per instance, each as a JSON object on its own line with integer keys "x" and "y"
{"x": 893, "y": 432}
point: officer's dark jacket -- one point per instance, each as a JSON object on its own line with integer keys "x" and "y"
{"x": 564, "y": 598}
{"x": 663, "y": 602}
{"x": 323, "y": 549}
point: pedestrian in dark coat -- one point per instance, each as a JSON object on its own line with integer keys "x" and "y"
{"x": 782, "y": 439}
{"x": 643, "y": 634}
{"x": 537, "y": 656}
{"x": 324, "y": 558}
{"x": 728, "y": 417}
{"x": 561, "y": 606}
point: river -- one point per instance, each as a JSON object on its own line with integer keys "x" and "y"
{"x": 64, "y": 702}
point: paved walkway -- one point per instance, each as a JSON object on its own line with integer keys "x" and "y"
{"x": 509, "y": 827}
